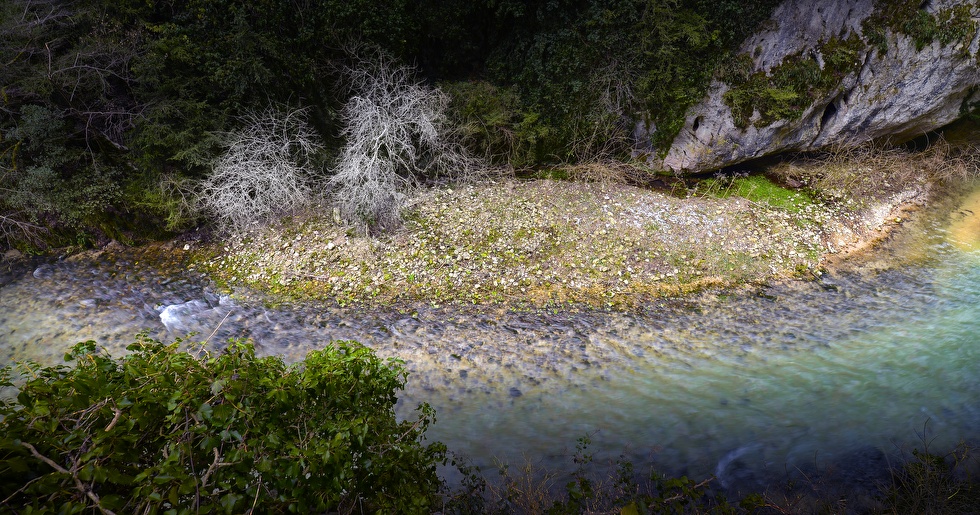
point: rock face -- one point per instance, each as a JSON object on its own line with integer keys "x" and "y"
{"x": 836, "y": 72}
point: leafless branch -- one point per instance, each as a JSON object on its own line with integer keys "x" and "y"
{"x": 265, "y": 172}
{"x": 396, "y": 133}
{"x": 115, "y": 418}
{"x": 16, "y": 229}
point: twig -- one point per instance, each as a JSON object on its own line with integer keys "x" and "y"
{"x": 206, "y": 340}
{"x": 115, "y": 419}
{"x": 78, "y": 483}
{"x": 214, "y": 465}
{"x": 678, "y": 497}
{"x": 258, "y": 488}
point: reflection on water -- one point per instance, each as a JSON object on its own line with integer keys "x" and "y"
{"x": 806, "y": 375}
{"x": 964, "y": 228}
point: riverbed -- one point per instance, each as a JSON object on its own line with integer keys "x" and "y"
{"x": 836, "y": 376}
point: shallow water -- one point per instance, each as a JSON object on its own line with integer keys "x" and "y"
{"x": 846, "y": 372}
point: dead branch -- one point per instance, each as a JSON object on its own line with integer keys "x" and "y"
{"x": 266, "y": 171}
{"x": 396, "y": 134}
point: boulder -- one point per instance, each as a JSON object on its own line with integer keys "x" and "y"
{"x": 835, "y": 73}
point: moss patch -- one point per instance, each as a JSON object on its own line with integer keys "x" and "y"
{"x": 760, "y": 190}
{"x": 951, "y": 25}
{"x": 788, "y": 90}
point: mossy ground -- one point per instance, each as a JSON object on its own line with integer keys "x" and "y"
{"x": 547, "y": 243}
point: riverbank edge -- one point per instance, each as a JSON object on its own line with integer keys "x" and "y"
{"x": 604, "y": 251}
{"x": 311, "y": 259}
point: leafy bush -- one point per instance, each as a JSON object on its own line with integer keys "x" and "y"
{"x": 592, "y": 68}
{"x": 267, "y": 170}
{"x": 494, "y": 123}
{"x": 162, "y": 429}
{"x": 58, "y": 140}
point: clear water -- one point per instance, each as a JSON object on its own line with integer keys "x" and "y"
{"x": 846, "y": 372}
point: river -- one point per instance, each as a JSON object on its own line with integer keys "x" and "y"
{"x": 840, "y": 375}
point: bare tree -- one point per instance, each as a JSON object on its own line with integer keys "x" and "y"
{"x": 266, "y": 171}
{"x": 396, "y": 135}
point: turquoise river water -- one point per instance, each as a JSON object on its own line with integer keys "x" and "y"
{"x": 845, "y": 373}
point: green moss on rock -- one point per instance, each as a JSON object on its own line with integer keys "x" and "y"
{"x": 788, "y": 90}
{"x": 947, "y": 26}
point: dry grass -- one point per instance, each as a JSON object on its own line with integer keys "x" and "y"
{"x": 924, "y": 483}
{"x": 607, "y": 172}
{"x": 871, "y": 173}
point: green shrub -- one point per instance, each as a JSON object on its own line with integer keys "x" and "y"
{"x": 495, "y": 124}
{"x": 591, "y": 68}
{"x": 164, "y": 430}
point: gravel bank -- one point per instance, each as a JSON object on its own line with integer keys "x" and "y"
{"x": 548, "y": 243}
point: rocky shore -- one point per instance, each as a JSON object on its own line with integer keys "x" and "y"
{"x": 549, "y": 243}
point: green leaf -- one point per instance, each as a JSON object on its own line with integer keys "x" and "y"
{"x": 217, "y": 386}
{"x": 204, "y": 412}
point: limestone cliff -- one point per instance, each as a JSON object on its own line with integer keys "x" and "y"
{"x": 836, "y": 72}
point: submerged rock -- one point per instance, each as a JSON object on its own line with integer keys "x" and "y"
{"x": 865, "y": 467}
{"x": 45, "y": 271}
{"x": 836, "y": 73}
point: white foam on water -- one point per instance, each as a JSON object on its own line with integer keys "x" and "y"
{"x": 176, "y": 317}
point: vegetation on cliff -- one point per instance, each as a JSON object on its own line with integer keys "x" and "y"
{"x": 789, "y": 88}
